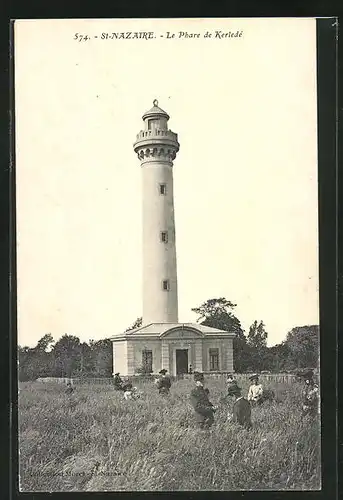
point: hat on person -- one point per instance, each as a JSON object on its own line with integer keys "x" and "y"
{"x": 163, "y": 371}
{"x": 235, "y": 391}
{"x": 116, "y": 373}
{"x": 306, "y": 374}
{"x": 253, "y": 377}
{"x": 198, "y": 377}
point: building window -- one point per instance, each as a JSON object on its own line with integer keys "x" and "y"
{"x": 147, "y": 361}
{"x": 165, "y": 285}
{"x": 214, "y": 360}
{"x": 164, "y": 236}
{"x": 163, "y": 189}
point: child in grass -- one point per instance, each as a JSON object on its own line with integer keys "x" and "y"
{"x": 241, "y": 411}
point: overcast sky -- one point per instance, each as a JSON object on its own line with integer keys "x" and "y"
{"x": 245, "y": 178}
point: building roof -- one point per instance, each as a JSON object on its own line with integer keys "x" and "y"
{"x": 155, "y": 110}
{"x": 158, "y": 330}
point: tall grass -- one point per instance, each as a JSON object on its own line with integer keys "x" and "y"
{"x": 93, "y": 440}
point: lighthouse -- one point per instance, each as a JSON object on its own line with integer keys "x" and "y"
{"x": 156, "y": 147}
{"x": 161, "y": 342}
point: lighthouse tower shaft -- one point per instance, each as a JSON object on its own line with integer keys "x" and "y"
{"x": 156, "y": 147}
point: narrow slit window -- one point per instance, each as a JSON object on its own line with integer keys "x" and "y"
{"x": 165, "y": 285}
{"x": 164, "y": 236}
{"x": 163, "y": 189}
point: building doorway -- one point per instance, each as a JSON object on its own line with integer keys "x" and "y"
{"x": 181, "y": 361}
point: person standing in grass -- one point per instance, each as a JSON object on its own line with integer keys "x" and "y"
{"x": 241, "y": 411}
{"x": 69, "y": 389}
{"x": 310, "y": 395}
{"x": 163, "y": 383}
{"x": 203, "y": 408}
{"x": 255, "y": 390}
{"x": 118, "y": 383}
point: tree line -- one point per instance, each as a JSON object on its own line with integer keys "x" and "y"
{"x": 69, "y": 357}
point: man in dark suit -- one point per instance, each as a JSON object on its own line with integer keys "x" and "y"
{"x": 163, "y": 383}
{"x": 241, "y": 411}
{"x": 204, "y": 409}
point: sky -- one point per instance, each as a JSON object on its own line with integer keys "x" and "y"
{"x": 245, "y": 178}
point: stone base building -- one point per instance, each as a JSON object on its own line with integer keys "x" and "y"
{"x": 173, "y": 346}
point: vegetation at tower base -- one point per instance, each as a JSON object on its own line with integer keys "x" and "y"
{"x": 95, "y": 441}
{"x": 136, "y": 324}
{"x": 216, "y": 313}
{"x": 69, "y": 357}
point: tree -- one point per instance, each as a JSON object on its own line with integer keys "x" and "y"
{"x": 257, "y": 336}
{"x": 136, "y": 324}
{"x": 303, "y": 343}
{"x": 45, "y": 342}
{"x": 67, "y": 354}
{"x": 216, "y": 313}
{"x": 278, "y": 358}
{"x": 86, "y": 364}
{"x": 214, "y": 310}
{"x": 257, "y": 341}
{"x": 37, "y": 361}
{"x": 26, "y": 368}
{"x": 102, "y": 354}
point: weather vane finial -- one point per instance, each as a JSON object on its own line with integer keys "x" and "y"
{"x": 155, "y": 102}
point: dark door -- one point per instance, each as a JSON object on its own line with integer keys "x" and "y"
{"x": 181, "y": 361}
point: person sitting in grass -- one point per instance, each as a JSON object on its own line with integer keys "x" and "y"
{"x": 163, "y": 383}
{"x": 131, "y": 393}
{"x": 255, "y": 390}
{"x": 241, "y": 411}
{"x": 118, "y": 383}
{"x": 69, "y": 389}
{"x": 231, "y": 385}
{"x": 203, "y": 408}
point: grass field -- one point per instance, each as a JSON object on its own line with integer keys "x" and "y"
{"x": 93, "y": 440}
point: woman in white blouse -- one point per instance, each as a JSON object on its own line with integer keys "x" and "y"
{"x": 255, "y": 390}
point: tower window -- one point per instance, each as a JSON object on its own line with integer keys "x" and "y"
{"x": 165, "y": 285}
{"x": 151, "y": 123}
{"x": 164, "y": 236}
{"x": 163, "y": 189}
